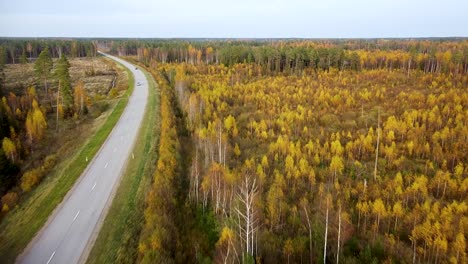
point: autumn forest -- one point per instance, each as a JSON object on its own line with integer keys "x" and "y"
{"x": 305, "y": 151}
{"x": 268, "y": 151}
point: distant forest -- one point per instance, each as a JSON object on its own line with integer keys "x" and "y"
{"x": 19, "y": 50}
{"x": 440, "y": 55}
{"x": 276, "y": 55}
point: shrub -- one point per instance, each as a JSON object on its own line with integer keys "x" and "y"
{"x": 9, "y": 201}
{"x": 103, "y": 106}
{"x": 49, "y": 162}
{"x": 113, "y": 93}
{"x": 34, "y": 176}
{"x": 30, "y": 179}
{"x": 329, "y": 120}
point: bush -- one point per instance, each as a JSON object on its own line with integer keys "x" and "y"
{"x": 330, "y": 120}
{"x": 49, "y": 162}
{"x": 34, "y": 176}
{"x": 103, "y": 106}
{"x": 90, "y": 72}
{"x": 350, "y": 124}
{"x": 9, "y": 201}
{"x": 113, "y": 93}
{"x": 98, "y": 97}
{"x": 30, "y": 179}
{"x": 99, "y": 108}
{"x": 352, "y": 248}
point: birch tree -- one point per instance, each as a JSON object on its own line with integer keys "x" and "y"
{"x": 247, "y": 217}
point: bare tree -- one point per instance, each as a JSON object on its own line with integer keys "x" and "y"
{"x": 246, "y": 214}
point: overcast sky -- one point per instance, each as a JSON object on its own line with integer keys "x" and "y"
{"x": 234, "y": 18}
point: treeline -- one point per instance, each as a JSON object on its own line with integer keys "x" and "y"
{"x": 26, "y": 50}
{"x": 158, "y": 243}
{"x": 294, "y": 56}
{"x": 175, "y": 230}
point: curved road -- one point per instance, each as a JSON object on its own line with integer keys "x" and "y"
{"x": 71, "y": 230}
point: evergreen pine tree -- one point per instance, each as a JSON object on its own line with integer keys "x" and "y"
{"x": 43, "y": 66}
{"x": 23, "y": 58}
{"x": 63, "y": 75}
{"x": 2, "y": 66}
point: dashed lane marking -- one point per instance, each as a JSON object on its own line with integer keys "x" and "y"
{"x": 50, "y": 259}
{"x": 76, "y": 215}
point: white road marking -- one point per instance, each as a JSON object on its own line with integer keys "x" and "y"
{"x": 93, "y": 186}
{"x": 76, "y": 215}
{"x": 72, "y": 248}
{"x": 51, "y": 257}
{"x": 105, "y": 167}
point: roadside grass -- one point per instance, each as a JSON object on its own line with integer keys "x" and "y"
{"x": 20, "y": 225}
{"x": 118, "y": 238}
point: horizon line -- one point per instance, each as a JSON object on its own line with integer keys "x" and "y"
{"x": 237, "y": 38}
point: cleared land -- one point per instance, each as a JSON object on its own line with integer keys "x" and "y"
{"x": 78, "y": 139}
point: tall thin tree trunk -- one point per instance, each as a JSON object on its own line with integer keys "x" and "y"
{"x": 339, "y": 236}
{"x": 196, "y": 175}
{"x": 57, "y": 108}
{"x": 359, "y": 219}
{"x": 396, "y": 222}
{"x": 82, "y": 103}
{"x": 326, "y": 235}
{"x": 45, "y": 85}
{"x": 377, "y": 147}
{"x": 377, "y": 229}
{"x": 227, "y": 255}
{"x": 409, "y": 67}
{"x": 310, "y": 236}
{"x": 220, "y": 151}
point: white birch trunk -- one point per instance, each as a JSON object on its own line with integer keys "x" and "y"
{"x": 377, "y": 147}
{"x": 326, "y": 235}
{"x": 339, "y": 237}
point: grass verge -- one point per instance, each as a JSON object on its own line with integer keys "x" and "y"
{"x": 22, "y": 223}
{"x": 118, "y": 238}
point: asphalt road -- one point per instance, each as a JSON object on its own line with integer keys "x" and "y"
{"x": 71, "y": 230}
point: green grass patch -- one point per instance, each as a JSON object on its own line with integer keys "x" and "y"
{"x": 118, "y": 238}
{"x": 22, "y": 224}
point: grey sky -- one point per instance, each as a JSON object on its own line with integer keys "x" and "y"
{"x": 234, "y": 18}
